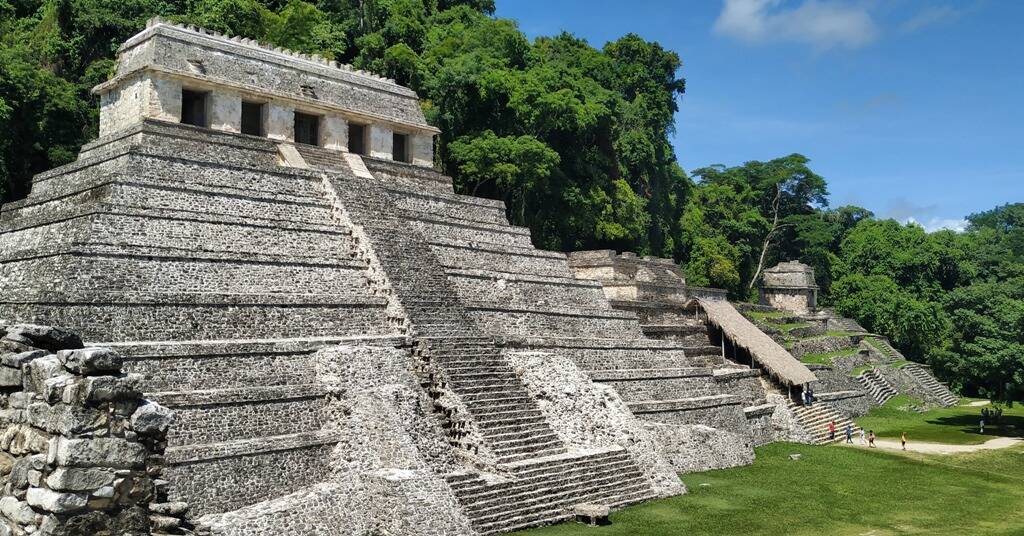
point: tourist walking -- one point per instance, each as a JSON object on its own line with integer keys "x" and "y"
{"x": 832, "y": 430}
{"x": 863, "y": 437}
{"x": 981, "y": 426}
{"x": 810, "y": 396}
{"x": 871, "y": 439}
{"x": 903, "y": 440}
{"x": 849, "y": 434}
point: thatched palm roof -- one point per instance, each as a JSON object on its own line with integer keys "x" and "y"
{"x": 773, "y": 357}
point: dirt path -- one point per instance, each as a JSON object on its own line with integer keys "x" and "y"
{"x": 944, "y": 448}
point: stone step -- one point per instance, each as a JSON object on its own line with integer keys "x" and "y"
{"x": 500, "y": 500}
{"x": 526, "y": 454}
{"x": 507, "y": 417}
{"x": 517, "y": 520}
{"x": 528, "y": 441}
{"x": 513, "y": 429}
{"x": 540, "y": 497}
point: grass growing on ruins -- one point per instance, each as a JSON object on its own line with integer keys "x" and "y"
{"x": 766, "y": 315}
{"x": 839, "y": 491}
{"x": 827, "y": 357}
{"x": 955, "y": 425}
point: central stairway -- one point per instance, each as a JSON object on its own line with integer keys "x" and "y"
{"x": 532, "y": 478}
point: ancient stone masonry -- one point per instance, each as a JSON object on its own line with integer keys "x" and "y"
{"x": 861, "y": 369}
{"x": 790, "y": 286}
{"x": 706, "y": 411}
{"x": 81, "y": 453}
{"x": 324, "y": 327}
{"x": 347, "y": 345}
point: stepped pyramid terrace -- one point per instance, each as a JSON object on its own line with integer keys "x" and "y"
{"x": 258, "y": 245}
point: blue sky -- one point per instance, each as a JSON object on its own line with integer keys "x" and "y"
{"x": 912, "y": 109}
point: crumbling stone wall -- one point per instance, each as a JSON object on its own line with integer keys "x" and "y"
{"x": 81, "y": 450}
{"x": 586, "y": 414}
{"x": 383, "y": 476}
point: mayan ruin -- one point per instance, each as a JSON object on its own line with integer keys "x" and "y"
{"x": 254, "y": 305}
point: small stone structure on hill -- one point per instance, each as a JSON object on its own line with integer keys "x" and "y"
{"x": 790, "y": 286}
{"x": 856, "y": 369}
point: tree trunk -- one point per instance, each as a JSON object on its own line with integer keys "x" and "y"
{"x": 768, "y": 237}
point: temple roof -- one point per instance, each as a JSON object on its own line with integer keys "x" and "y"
{"x": 210, "y": 59}
{"x": 789, "y": 274}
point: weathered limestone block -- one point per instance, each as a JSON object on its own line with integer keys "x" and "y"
{"x": 66, "y": 419}
{"x": 80, "y": 478}
{"x": 36, "y": 373}
{"x": 586, "y": 414}
{"x": 334, "y": 133}
{"x": 381, "y": 141}
{"x": 18, "y": 511}
{"x": 90, "y": 360}
{"x": 422, "y": 150}
{"x": 695, "y": 447}
{"x": 99, "y": 452}
{"x": 10, "y": 377}
{"x": 152, "y": 419}
{"x": 44, "y": 337}
{"x": 163, "y": 100}
{"x": 22, "y": 439}
{"x": 225, "y": 111}
{"x": 56, "y": 502}
{"x": 388, "y": 422}
{"x": 19, "y": 359}
{"x": 279, "y": 121}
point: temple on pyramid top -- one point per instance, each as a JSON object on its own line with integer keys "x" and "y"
{"x": 179, "y": 74}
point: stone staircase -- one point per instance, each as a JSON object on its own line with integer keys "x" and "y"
{"x": 848, "y": 325}
{"x": 454, "y": 354}
{"x": 889, "y": 353}
{"x": 936, "y": 388}
{"x": 814, "y": 420}
{"x": 878, "y": 387}
{"x": 543, "y": 490}
{"x": 492, "y": 413}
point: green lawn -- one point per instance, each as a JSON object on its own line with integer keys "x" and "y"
{"x": 957, "y": 425}
{"x": 837, "y": 491}
{"x": 827, "y": 357}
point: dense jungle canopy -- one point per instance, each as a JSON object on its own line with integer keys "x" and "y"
{"x": 575, "y": 139}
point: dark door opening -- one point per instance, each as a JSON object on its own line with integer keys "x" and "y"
{"x": 252, "y": 118}
{"x": 193, "y": 108}
{"x": 307, "y": 129}
{"x": 356, "y": 138}
{"x": 400, "y": 147}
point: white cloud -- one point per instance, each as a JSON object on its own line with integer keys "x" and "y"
{"x": 824, "y": 24}
{"x": 929, "y": 16}
{"x": 938, "y": 224}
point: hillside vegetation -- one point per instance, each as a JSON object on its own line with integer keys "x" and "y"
{"x": 575, "y": 139}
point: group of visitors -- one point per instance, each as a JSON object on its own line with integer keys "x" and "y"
{"x": 867, "y": 438}
{"x": 808, "y": 395}
{"x": 990, "y": 416}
